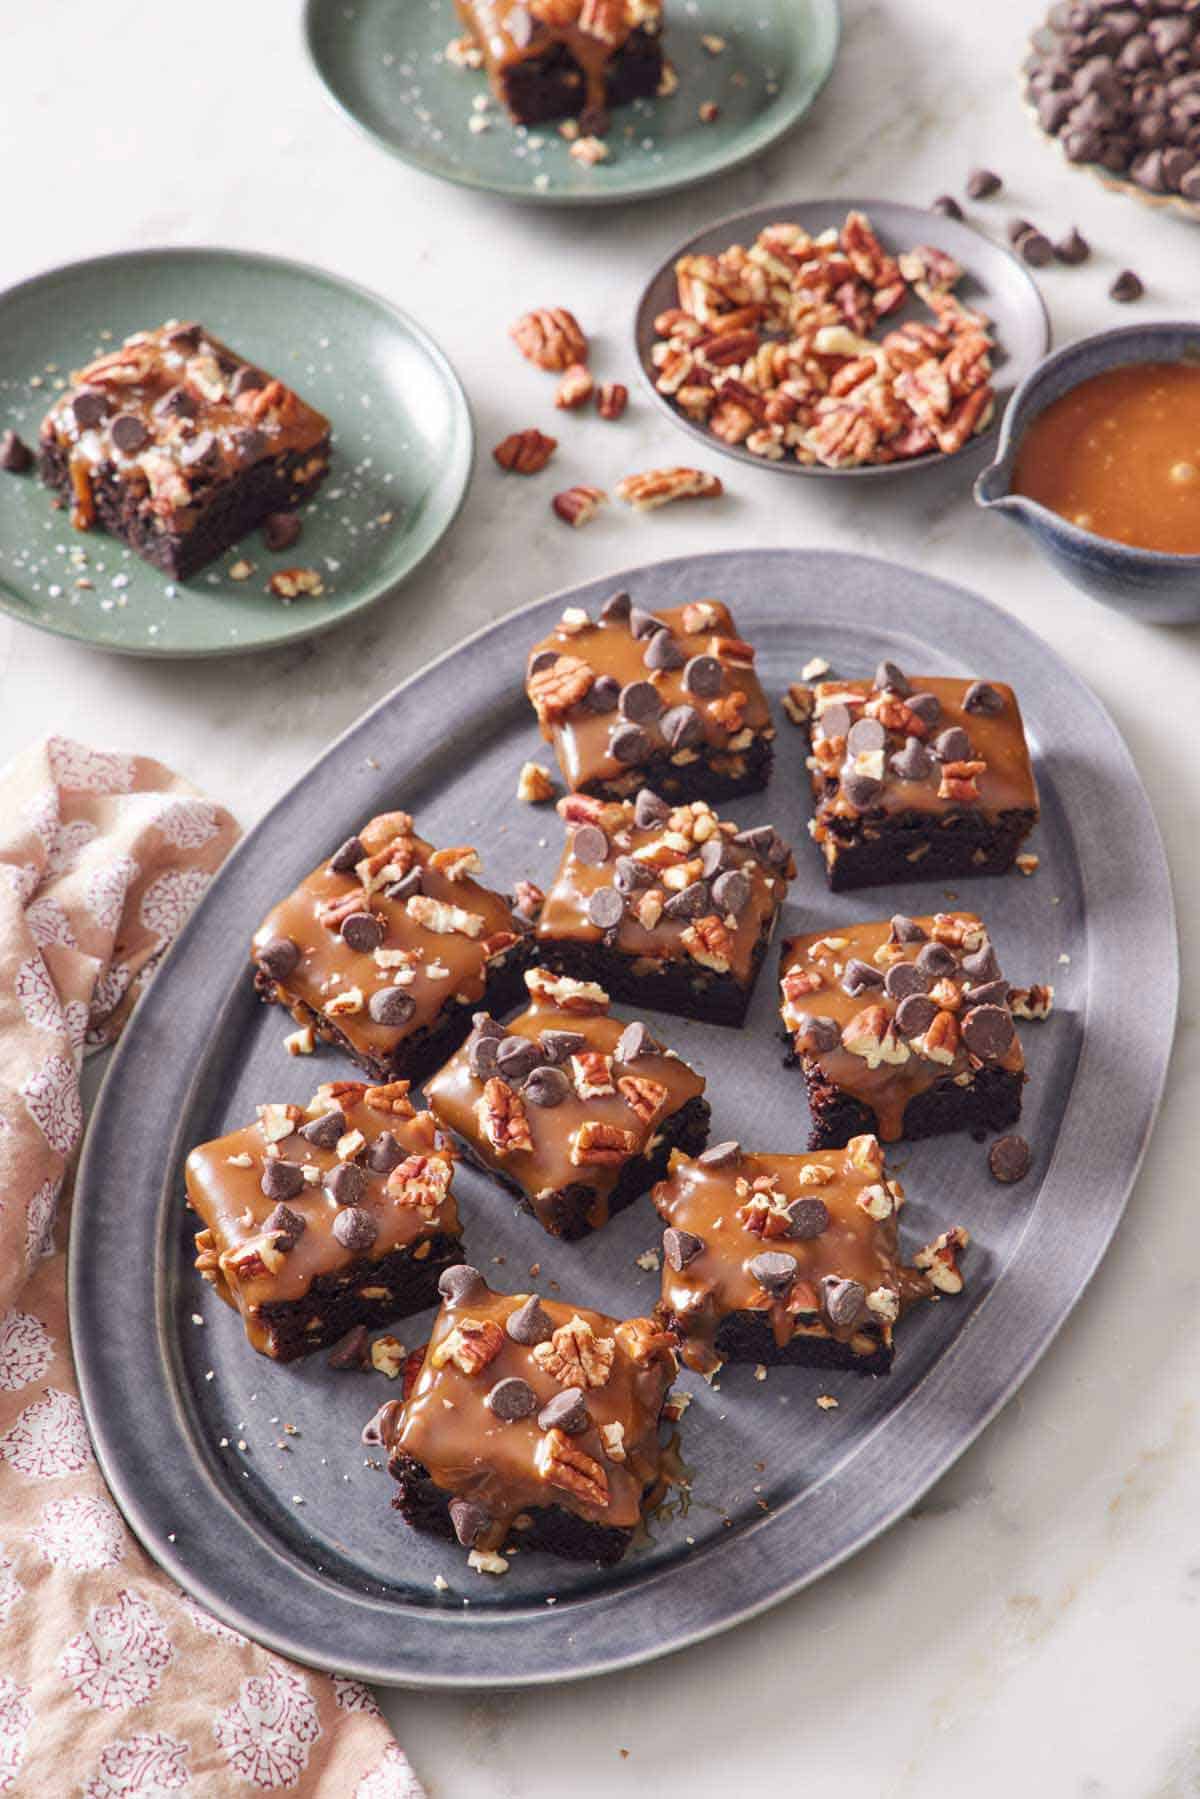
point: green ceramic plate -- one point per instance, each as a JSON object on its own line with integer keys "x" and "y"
{"x": 402, "y": 449}
{"x": 383, "y": 63}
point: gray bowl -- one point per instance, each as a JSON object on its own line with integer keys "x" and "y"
{"x": 1155, "y": 586}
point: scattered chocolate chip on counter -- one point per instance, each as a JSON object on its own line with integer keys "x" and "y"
{"x": 948, "y": 206}
{"x": 1009, "y": 1159}
{"x": 16, "y": 458}
{"x": 982, "y": 184}
{"x": 1035, "y": 248}
{"x": 1072, "y": 249}
{"x": 1126, "y": 287}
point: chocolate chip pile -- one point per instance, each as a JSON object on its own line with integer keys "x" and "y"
{"x": 1119, "y": 85}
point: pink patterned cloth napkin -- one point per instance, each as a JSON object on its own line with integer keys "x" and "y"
{"x": 112, "y": 1682}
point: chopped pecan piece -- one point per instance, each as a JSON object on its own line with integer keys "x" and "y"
{"x": 577, "y": 506}
{"x": 562, "y": 1464}
{"x": 575, "y": 1356}
{"x": 456, "y": 864}
{"x": 865, "y": 1154}
{"x": 502, "y": 1118}
{"x": 939, "y": 1259}
{"x": 960, "y": 782}
{"x": 471, "y": 1345}
{"x": 443, "y": 919}
{"x": 643, "y": 1096}
{"x": 1031, "y": 1002}
{"x": 559, "y": 686}
{"x": 596, "y": 1144}
{"x": 393, "y": 1098}
{"x": 870, "y": 1034}
{"x": 563, "y": 991}
{"x": 941, "y": 1040}
{"x": 421, "y": 1182}
{"x": 611, "y": 399}
{"x": 709, "y": 942}
{"x": 575, "y": 389}
{"x": 658, "y": 487}
{"x": 593, "y": 1074}
{"x": 644, "y": 1342}
{"x": 729, "y": 710}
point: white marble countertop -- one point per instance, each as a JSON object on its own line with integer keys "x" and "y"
{"x": 1034, "y": 1625}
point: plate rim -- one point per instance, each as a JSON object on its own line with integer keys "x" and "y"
{"x": 531, "y": 196}
{"x": 559, "y": 1626}
{"x": 789, "y": 466}
{"x": 377, "y": 591}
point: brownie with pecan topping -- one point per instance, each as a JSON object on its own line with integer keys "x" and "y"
{"x": 916, "y": 776}
{"x": 178, "y": 447}
{"x": 319, "y": 1218}
{"x": 387, "y": 948}
{"x": 573, "y": 1111}
{"x": 668, "y": 700}
{"x": 903, "y": 1028}
{"x": 665, "y": 906}
{"x": 557, "y": 59}
{"x": 530, "y": 1421}
{"x": 796, "y": 1259}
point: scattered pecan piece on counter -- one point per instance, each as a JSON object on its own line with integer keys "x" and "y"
{"x": 658, "y": 487}
{"x": 612, "y": 397}
{"x": 534, "y": 785}
{"x": 575, "y": 389}
{"x": 525, "y": 452}
{"x": 577, "y": 506}
{"x": 290, "y": 583}
{"x": 551, "y": 338}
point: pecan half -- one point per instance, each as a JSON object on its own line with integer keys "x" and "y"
{"x": 525, "y": 452}
{"x": 643, "y": 1096}
{"x": 575, "y": 389}
{"x": 471, "y": 1345}
{"x": 658, "y": 487}
{"x": 578, "y": 506}
{"x": 550, "y": 337}
{"x": 392, "y": 1098}
{"x": 442, "y": 919}
{"x": 593, "y": 1074}
{"x": 1031, "y": 1002}
{"x": 611, "y": 399}
{"x": 562, "y": 1464}
{"x": 502, "y": 1118}
{"x": 600, "y": 1145}
{"x": 421, "y": 1182}
{"x": 709, "y": 942}
{"x": 559, "y": 686}
{"x": 575, "y": 1356}
{"x": 565, "y": 992}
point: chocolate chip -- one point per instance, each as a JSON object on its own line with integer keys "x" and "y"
{"x": 982, "y": 184}
{"x": 715, "y": 856}
{"x": 247, "y": 379}
{"x": 649, "y": 810}
{"x": 760, "y": 840}
{"x": 903, "y": 978}
{"x": 927, "y": 706}
{"x": 982, "y": 699}
{"x": 542, "y": 659}
{"x": 1009, "y": 1159}
{"x": 286, "y": 1226}
{"x": 511, "y": 1398}
{"x": 720, "y": 1155}
{"x": 681, "y": 1247}
{"x": 1035, "y": 249}
{"x": 913, "y": 762}
{"x": 362, "y": 931}
{"x": 947, "y": 205}
{"x": 606, "y": 908}
{"x": 89, "y": 406}
{"x": 809, "y": 1218}
{"x": 402, "y": 890}
{"x": 630, "y": 744}
{"x": 353, "y": 1352}
{"x": 865, "y": 736}
{"x": 277, "y": 957}
{"x": 936, "y": 960}
{"x": 703, "y": 675}
{"x": 199, "y": 452}
{"x": 731, "y": 891}
{"x": 517, "y": 1057}
{"x": 914, "y": 1015}
{"x": 557, "y": 1046}
{"x": 1126, "y": 287}
{"x": 843, "y": 1301}
{"x": 833, "y": 722}
{"x": 953, "y": 745}
{"x": 347, "y": 855}
{"x": 176, "y": 403}
{"x": 250, "y": 443}
{"x": 470, "y": 1521}
{"x": 567, "y": 1411}
{"x": 635, "y": 1041}
{"x": 1053, "y": 111}
{"x": 129, "y": 434}
{"x": 860, "y": 790}
{"x": 481, "y": 1056}
{"x": 891, "y": 679}
{"x": 391, "y": 1006}
{"x": 616, "y": 609}
{"x": 384, "y": 1153}
{"x": 530, "y": 1323}
{"x": 629, "y": 875}
{"x": 1072, "y": 249}
{"x": 346, "y": 1184}
{"x": 604, "y": 694}
{"x": 15, "y": 455}
{"x": 589, "y": 845}
{"x": 991, "y": 993}
{"x": 640, "y": 702}
{"x": 461, "y": 1283}
{"x": 817, "y": 1034}
{"x": 691, "y": 902}
{"x": 382, "y": 1427}
{"x": 774, "y": 1272}
{"x": 643, "y": 624}
{"x": 906, "y": 930}
{"x": 663, "y": 652}
{"x": 987, "y": 1032}
{"x": 546, "y": 1087}
{"x": 1017, "y": 228}
{"x": 858, "y": 976}
{"x": 280, "y": 1179}
{"x": 281, "y": 530}
{"x": 981, "y": 964}
{"x": 325, "y": 1131}
{"x": 682, "y": 727}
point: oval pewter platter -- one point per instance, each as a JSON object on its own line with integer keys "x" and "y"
{"x": 297, "y": 1545}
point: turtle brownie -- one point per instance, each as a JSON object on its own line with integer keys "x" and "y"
{"x": 916, "y": 777}
{"x": 668, "y": 700}
{"x": 572, "y": 1110}
{"x": 902, "y": 1028}
{"x": 555, "y": 59}
{"x": 389, "y": 946}
{"x": 178, "y": 446}
{"x": 796, "y": 1259}
{"x": 665, "y": 906}
{"x": 322, "y": 1217}
{"x": 530, "y": 1421}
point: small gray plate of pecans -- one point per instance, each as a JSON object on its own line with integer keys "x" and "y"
{"x": 248, "y": 1480}
{"x": 839, "y": 337}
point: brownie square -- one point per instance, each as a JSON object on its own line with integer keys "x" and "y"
{"x": 573, "y": 1111}
{"x": 667, "y": 907}
{"x": 575, "y": 57}
{"x": 531, "y": 1421}
{"x": 388, "y": 947}
{"x": 903, "y": 1028}
{"x": 792, "y": 1259}
{"x": 319, "y": 1218}
{"x": 667, "y": 700}
{"x": 916, "y": 776}
{"x": 178, "y": 447}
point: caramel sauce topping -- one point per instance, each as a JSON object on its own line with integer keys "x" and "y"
{"x": 510, "y": 32}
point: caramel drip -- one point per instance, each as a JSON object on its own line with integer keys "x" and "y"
{"x": 473, "y": 1454}
{"x": 886, "y": 1088}
{"x": 506, "y": 44}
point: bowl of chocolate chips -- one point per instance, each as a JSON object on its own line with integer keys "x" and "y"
{"x": 1117, "y": 85}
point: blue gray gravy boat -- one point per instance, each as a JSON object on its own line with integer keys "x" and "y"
{"x": 1149, "y": 585}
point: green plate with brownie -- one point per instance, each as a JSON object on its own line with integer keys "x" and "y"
{"x": 510, "y": 95}
{"x": 232, "y": 451}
